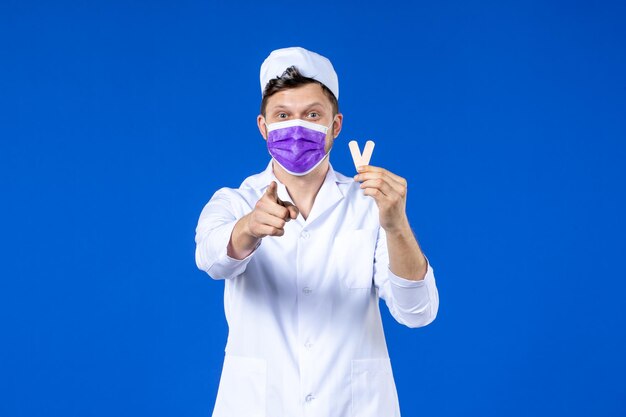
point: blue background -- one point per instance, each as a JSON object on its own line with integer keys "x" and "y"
{"x": 119, "y": 120}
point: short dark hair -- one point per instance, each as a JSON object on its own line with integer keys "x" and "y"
{"x": 292, "y": 78}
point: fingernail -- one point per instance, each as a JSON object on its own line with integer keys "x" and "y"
{"x": 360, "y": 169}
{"x": 356, "y": 177}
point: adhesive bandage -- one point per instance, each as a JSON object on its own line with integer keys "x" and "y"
{"x": 358, "y": 158}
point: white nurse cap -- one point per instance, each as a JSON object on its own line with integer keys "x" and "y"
{"x": 309, "y": 64}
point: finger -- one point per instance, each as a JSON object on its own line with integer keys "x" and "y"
{"x": 269, "y": 220}
{"x": 267, "y": 230}
{"x": 379, "y": 184}
{"x": 371, "y": 168}
{"x": 393, "y": 178}
{"x": 375, "y": 193}
{"x": 272, "y": 191}
{"x": 398, "y": 187}
{"x": 293, "y": 210}
{"x": 273, "y": 208}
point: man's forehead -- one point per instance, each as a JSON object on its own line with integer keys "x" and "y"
{"x": 309, "y": 95}
{"x": 288, "y": 105}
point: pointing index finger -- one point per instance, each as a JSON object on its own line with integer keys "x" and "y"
{"x": 272, "y": 190}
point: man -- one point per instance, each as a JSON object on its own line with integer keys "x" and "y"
{"x": 305, "y": 253}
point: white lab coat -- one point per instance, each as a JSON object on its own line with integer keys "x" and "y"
{"x": 305, "y": 333}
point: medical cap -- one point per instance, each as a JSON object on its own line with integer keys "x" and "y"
{"x": 309, "y": 64}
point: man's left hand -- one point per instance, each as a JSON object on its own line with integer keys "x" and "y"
{"x": 389, "y": 191}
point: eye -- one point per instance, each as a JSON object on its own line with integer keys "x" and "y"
{"x": 282, "y": 115}
{"x": 313, "y": 115}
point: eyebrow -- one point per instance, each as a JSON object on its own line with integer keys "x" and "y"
{"x": 280, "y": 106}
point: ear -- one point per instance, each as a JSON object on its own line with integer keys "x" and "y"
{"x": 260, "y": 122}
{"x": 337, "y": 124}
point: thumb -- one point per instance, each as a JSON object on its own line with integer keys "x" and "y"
{"x": 293, "y": 210}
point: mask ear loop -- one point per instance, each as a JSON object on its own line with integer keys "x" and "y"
{"x": 267, "y": 133}
{"x": 330, "y": 127}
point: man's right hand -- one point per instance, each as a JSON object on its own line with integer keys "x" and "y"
{"x": 268, "y": 218}
{"x": 270, "y": 214}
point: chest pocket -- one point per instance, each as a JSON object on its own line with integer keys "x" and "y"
{"x": 354, "y": 257}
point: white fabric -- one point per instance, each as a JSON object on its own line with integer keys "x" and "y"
{"x": 310, "y": 64}
{"x": 298, "y": 122}
{"x": 305, "y": 332}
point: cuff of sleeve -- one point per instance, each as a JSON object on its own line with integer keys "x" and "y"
{"x": 410, "y": 294}
{"x": 235, "y": 260}
{"x": 226, "y": 266}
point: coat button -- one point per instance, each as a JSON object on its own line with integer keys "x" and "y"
{"x": 309, "y": 398}
{"x": 305, "y": 235}
{"x": 307, "y": 290}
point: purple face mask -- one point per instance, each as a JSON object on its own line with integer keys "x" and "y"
{"x": 297, "y": 145}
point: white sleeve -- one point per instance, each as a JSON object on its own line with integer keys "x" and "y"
{"x": 215, "y": 226}
{"x": 412, "y": 303}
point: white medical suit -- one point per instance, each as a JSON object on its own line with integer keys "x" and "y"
{"x": 305, "y": 333}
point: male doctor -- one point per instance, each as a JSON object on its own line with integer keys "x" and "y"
{"x": 305, "y": 253}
